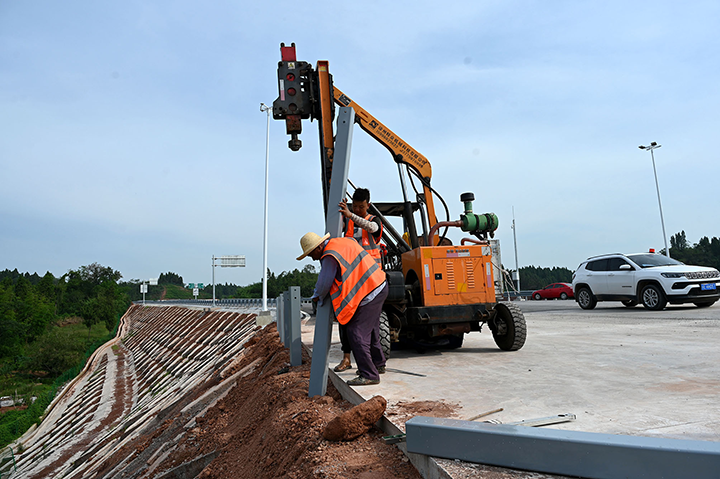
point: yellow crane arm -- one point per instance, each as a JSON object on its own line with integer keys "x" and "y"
{"x": 401, "y": 151}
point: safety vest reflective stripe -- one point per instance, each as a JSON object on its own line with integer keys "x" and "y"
{"x": 359, "y": 273}
{"x": 347, "y": 274}
{"x": 368, "y": 240}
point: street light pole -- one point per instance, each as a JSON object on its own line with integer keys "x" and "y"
{"x": 651, "y": 147}
{"x": 267, "y": 109}
{"x": 517, "y": 268}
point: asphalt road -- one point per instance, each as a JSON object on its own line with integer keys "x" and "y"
{"x": 619, "y": 370}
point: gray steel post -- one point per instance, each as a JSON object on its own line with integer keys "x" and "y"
{"x": 280, "y": 317}
{"x": 287, "y": 318}
{"x": 333, "y": 225}
{"x": 570, "y": 453}
{"x": 294, "y": 330}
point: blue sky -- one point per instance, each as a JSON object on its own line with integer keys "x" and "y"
{"x": 132, "y": 135}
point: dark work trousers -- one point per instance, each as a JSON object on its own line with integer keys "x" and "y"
{"x": 344, "y": 341}
{"x": 364, "y": 335}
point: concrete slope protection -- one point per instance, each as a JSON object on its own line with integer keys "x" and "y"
{"x": 159, "y": 354}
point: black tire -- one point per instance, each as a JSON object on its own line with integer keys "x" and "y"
{"x": 563, "y": 295}
{"x": 385, "y": 340}
{"x": 630, "y": 303}
{"x": 653, "y": 298}
{"x": 586, "y": 299}
{"x": 510, "y": 329}
{"x": 537, "y": 297}
{"x": 704, "y": 304}
{"x": 455, "y": 341}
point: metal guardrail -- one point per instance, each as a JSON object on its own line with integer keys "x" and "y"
{"x": 271, "y": 302}
{"x": 515, "y": 295}
{"x": 569, "y": 453}
{"x": 288, "y": 323}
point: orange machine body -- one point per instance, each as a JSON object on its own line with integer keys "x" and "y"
{"x": 452, "y": 275}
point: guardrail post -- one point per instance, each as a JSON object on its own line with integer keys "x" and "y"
{"x": 280, "y": 317}
{"x": 287, "y": 318}
{"x": 333, "y": 225}
{"x": 293, "y": 328}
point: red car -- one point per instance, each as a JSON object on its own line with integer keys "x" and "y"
{"x": 554, "y": 291}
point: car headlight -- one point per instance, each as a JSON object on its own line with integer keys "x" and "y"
{"x": 673, "y": 275}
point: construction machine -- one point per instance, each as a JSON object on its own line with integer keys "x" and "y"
{"x": 438, "y": 291}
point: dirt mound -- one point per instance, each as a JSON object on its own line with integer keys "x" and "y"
{"x": 267, "y": 427}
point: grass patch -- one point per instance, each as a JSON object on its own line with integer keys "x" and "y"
{"x": 173, "y": 291}
{"x": 13, "y": 424}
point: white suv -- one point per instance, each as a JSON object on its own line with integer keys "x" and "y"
{"x": 648, "y": 278}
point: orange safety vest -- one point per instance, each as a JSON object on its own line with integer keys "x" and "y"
{"x": 360, "y": 276}
{"x": 368, "y": 240}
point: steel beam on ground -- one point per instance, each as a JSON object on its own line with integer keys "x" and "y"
{"x": 333, "y": 225}
{"x": 571, "y": 453}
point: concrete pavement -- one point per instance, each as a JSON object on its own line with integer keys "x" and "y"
{"x": 619, "y": 370}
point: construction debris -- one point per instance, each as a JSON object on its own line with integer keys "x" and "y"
{"x": 485, "y": 414}
{"x": 544, "y": 421}
{"x": 356, "y": 421}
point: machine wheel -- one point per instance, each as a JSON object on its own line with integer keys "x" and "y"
{"x": 630, "y": 303}
{"x": 510, "y": 330}
{"x": 537, "y": 297}
{"x": 704, "y": 304}
{"x": 385, "y": 341}
{"x": 563, "y": 295}
{"x": 653, "y": 298}
{"x": 585, "y": 298}
{"x": 455, "y": 341}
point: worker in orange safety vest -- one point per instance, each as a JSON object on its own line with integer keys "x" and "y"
{"x": 365, "y": 228}
{"x": 367, "y": 231}
{"x": 357, "y": 287}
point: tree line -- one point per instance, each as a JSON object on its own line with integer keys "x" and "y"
{"x": 705, "y": 252}
{"x": 534, "y": 277}
{"x": 171, "y": 286}
{"x": 30, "y": 306}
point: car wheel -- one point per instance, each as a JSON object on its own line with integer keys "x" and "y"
{"x": 653, "y": 298}
{"x": 585, "y": 298}
{"x": 630, "y": 303}
{"x": 563, "y": 295}
{"x": 704, "y": 304}
{"x": 537, "y": 297}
